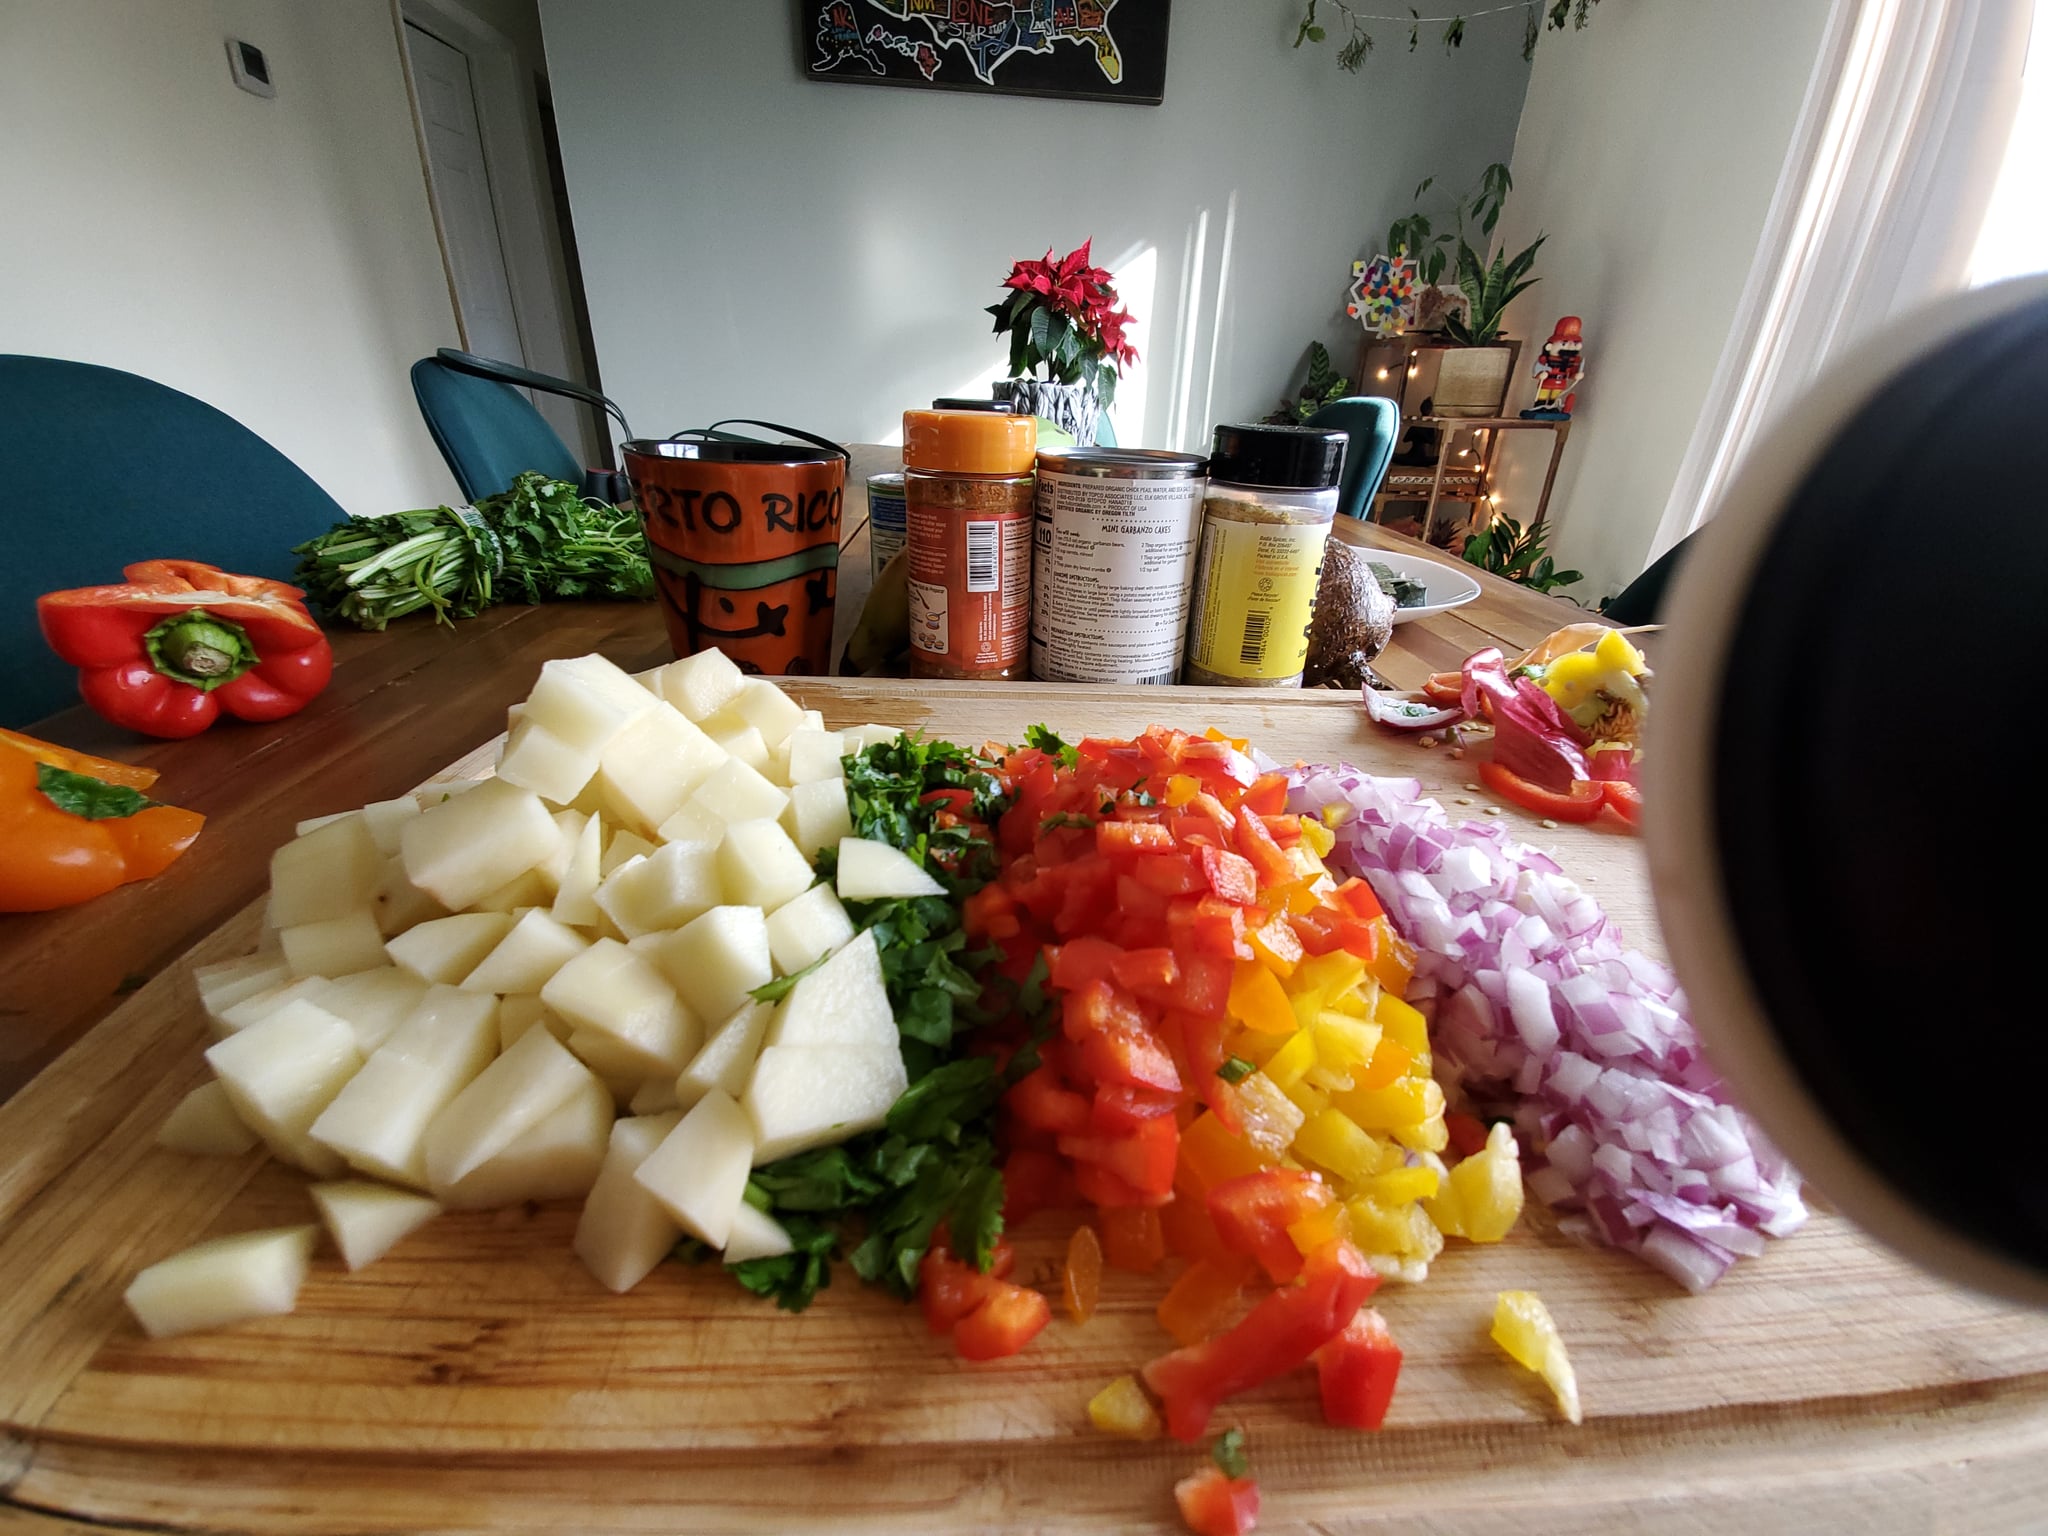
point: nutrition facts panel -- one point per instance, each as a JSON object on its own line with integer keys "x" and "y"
{"x": 1114, "y": 560}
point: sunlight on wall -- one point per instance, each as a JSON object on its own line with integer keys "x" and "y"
{"x": 1137, "y": 281}
{"x": 2015, "y": 238}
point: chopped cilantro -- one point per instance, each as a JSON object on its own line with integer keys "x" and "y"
{"x": 1045, "y": 741}
{"x": 1236, "y": 1069}
{"x": 1228, "y": 1453}
{"x": 1069, "y": 819}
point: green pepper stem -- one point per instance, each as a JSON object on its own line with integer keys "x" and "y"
{"x": 199, "y": 649}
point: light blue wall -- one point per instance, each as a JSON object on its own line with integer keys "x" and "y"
{"x": 755, "y": 243}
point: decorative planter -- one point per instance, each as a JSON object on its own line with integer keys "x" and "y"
{"x": 1073, "y": 408}
{"x": 1473, "y": 381}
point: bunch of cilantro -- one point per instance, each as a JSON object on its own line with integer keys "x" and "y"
{"x": 877, "y": 1198}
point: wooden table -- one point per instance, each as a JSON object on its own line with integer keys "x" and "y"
{"x": 402, "y": 705}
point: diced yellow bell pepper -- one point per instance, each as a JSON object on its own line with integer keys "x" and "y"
{"x": 1411, "y": 1101}
{"x": 1432, "y": 1135}
{"x": 1271, "y": 1120}
{"x": 1389, "y": 1064}
{"x": 1404, "y": 1186}
{"x": 1394, "y": 966}
{"x": 1258, "y": 1001}
{"x": 1288, "y": 1065}
{"x": 1317, "y": 1229}
{"x": 1308, "y": 864}
{"x": 1376, "y": 1228}
{"x": 1254, "y": 1047}
{"x": 1615, "y": 651}
{"x": 1307, "y": 1098}
{"x": 1402, "y": 1023}
{"x": 1486, "y": 1190}
{"x": 1523, "y": 1327}
{"x": 1181, "y": 788}
{"x": 1337, "y": 972}
{"x": 1424, "y": 1241}
{"x": 1332, "y": 1139}
{"x": 1121, "y": 1408}
{"x": 1275, "y": 944}
{"x": 1336, "y": 813}
{"x": 1318, "y": 837}
{"x": 1209, "y": 1153}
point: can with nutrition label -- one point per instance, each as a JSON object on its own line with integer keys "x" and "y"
{"x": 1113, "y": 562}
{"x": 967, "y": 481}
{"x": 886, "y": 521}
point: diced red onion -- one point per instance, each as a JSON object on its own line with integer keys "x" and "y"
{"x": 1535, "y": 1005}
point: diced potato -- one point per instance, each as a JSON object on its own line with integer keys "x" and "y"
{"x": 335, "y": 946}
{"x": 378, "y": 1123}
{"x": 814, "y": 755}
{"x": 871, "y": 736}
{"x": 374, "y": 1002}
{"x": 654, "y": 1096}
{"x": 585, "y": 700}
{"x": 315, "y": 823}
{"x": 652, "y": 765}
{"x": 758, "y": 866}
{"x": 205, "y": 1125}
{"x": 499, "y": 1105}
{"x": 754, "y": 1235}
{"x": 663, "y": 890}
{"x": 330, "y": 872}
{"x": 386, "y": 820}
{"x": 535, "y": 758}
{"x": 471, "y": 845}
{"x": 812, "y": 1096}
{"x": 613, "y": 992}
{"x": 715, "y": 960}
{"x": 557, "y": 1159}
{"x": 622, "y": 847}
{"x": 568, "y": 828}
{"x": 576, "y": 888}
{"x": 622, "y": 1068}
{"x": 283, "y": 1073}
{"x": 519, "y": 1013}
{"x": 872, "y": 871}
{"x": 844, "y": 1002}
{"x": 446, "y": 949}
{"x": 259, "y": 1006}
{"x": 768, "y": 709}
{"x": 807, "y": 928}
{"x": 227, "y": 1280}
{"x": 727, "y": 1060}
{"x": 737, "y": 792}
{"x": 818, "y": 816}
{"x": 743, "y": 743}
{"x": 623, "y": 1232}
{"x": 703, "y": 684}
{"x": 692, "y": 824}
{"x": 222, "y": 985}
{"x": 367, "y": 1220}
{"x": 517, "y": 894}
{"x": 699, "y": 1172}
{"x": 534, "y": 949}
{"x": 810, "y": 720}
{"x": 399, "y": 903}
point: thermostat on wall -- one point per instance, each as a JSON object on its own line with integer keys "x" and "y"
{"x": 250, "y": 69}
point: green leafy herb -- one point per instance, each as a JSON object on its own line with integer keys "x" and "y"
{"x": 1404, "y": 592}
{"x": 775, "y": 991}
{"x": 793, "y": 1278}
{"x": 1228, "y": 1453}
{"x": 1236, "y": 1069}
{"x": 82, "y": 795}
{"x": 1045, "y": 741}
{"x": 1068, "y": 819}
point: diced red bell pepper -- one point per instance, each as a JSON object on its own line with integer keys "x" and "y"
{"x": 1040, "y": 1101}
{"x": 1152, "y": 973}
{"x": 990, "y": 913}
{"x": 1356, "y": 1372}
{"x": 1231, "y": 876}
{"x": 1089, "y": 898}
{"x": 1253, "y": 1212}
{"x": 1099, "y": 1187}
{"x": 1624, "y": 799}
{"x": 1467, "y": 1133}
{"x": 1267, "y": 796}
{"x": 948, "y": 1289}
{"x": 1118, "y": 838}
{"x": 1177, "y": 874}
{"x": 1085, "y": 958}
{"x": 1142, "y": 1158}
{"x": 1201, "y": 1039}
{"x": 1257, "y": 845}
{"x": 1010, "y": 1317}
{"x": 1113, "y": 1040}
{"x": 1206, "y": 925}
{"x": 1284, "y": 830}
{"x": 1358, "y": 899}
{"x": 1326, "y": 930}
{"x": 1581, "y": 802}
{"x": 1033, "y": 1181}
{"x": 1213, "y": 1503}
{"x": 1205, "y": 985}
{"x": 1283, "y": 1331}
{"x": 1118, "y": 1109}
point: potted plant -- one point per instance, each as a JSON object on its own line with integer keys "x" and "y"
{"x": 1472, "y": 379}
{"x": 1063, "y": 316}
{"x": 1419, "y": 238}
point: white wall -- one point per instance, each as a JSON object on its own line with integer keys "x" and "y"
{"x": 274, "y": 258}
{"x": 755, "y": 243}
{"x": 1649, "y": 148}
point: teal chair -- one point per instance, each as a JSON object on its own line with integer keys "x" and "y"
{"x": 490, "y": 433}
{"x": 105, "y": 468}
{"x": 1373, "y": 425}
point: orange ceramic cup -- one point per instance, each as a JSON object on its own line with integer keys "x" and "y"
{"x": 744, "y": 538}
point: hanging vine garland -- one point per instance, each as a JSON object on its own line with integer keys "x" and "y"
{"x": 1539, "y": 16}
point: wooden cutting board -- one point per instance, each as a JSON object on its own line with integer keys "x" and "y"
{"x": 478, "y": 1378}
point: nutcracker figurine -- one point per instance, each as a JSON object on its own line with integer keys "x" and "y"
{"x": 1560, "y": 369}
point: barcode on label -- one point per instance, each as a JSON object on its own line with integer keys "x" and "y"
{"x": 982, "y": 547}
{"x": 1157, "y": 679}
{"x": 1253, "y": 651}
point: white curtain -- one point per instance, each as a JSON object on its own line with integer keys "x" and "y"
{"x": 1877, "y": 211}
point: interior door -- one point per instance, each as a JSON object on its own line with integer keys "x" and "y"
{"x": 462, "y": 193}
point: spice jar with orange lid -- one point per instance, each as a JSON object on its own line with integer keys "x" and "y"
{"x": 967, "y": 479}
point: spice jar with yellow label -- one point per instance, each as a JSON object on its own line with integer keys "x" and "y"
{"x": 1272, "y": 497}
{"x": 967, "y": 480}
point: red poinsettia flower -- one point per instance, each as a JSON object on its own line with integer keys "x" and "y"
{"x": 1083, "y": 299}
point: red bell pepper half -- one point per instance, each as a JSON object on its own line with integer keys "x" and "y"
{"x": 181, "y": 641}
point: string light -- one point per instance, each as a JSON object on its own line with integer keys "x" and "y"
{"x": 1383, "y": 373}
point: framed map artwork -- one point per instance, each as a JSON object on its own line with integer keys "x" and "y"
{"x": 1087, "y": 50}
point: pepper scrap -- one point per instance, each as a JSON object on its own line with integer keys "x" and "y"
{"x": 181, "y": 641}
{"x": 75, "y": 827}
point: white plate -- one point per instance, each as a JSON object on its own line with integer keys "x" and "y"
{"x": 1448, "y": 586}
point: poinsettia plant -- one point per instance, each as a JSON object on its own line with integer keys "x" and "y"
{"x": 1064, "y": 316}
